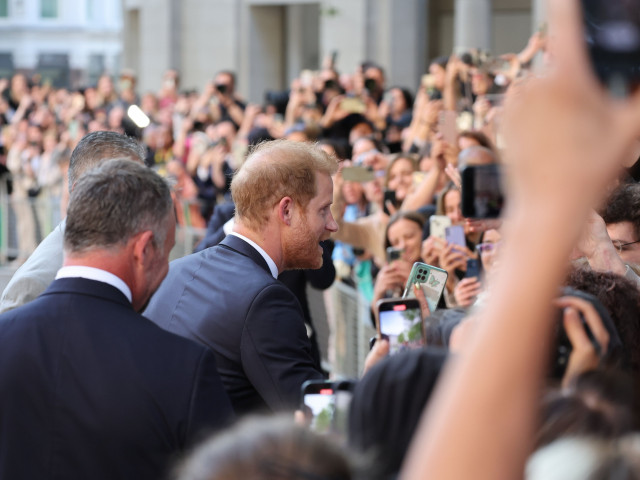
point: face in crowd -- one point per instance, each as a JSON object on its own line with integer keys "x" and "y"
{"x": 406, "y": 235}
{"x": 400, "y": 177}
{"x": 453, "y": 206}
{"x": 489, "y": 248}
{"x": 626, "y": 241}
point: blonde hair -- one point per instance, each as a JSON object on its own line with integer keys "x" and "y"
{"x": 274, "y": 170}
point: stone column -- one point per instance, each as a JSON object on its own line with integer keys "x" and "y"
{"x": 472, "y": 24}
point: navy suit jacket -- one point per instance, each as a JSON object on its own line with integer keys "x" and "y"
{"x": 226, "y": 298}
{"x": 91, "y": 389}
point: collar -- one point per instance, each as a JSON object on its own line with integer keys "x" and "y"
{"x": 265, "y": 255}
{"x": 91, "y": 273}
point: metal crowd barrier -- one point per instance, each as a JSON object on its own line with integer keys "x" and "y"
{"x": 351, "y": 329}
{"x": 44, "y": 215}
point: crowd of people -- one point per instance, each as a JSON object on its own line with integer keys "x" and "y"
{"x": 119, "y": 363}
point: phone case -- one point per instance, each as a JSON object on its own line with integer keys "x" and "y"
{"x": 438, "y": 225}
{"x": 400, "y": 322}
{"x": 473, "y": 268}
{"x": 455, "y": 235}
{"x": 358, "y": 174}
{"x": 431, "y": 279}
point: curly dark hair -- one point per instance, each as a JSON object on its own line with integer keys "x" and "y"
{"x": 621, "y": 298}
{"x": 623, "y": 205}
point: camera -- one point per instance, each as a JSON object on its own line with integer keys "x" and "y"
{"x": 612, "y": 35}
{"x": 482, "y": 192}
{"x": 370, "y": 85}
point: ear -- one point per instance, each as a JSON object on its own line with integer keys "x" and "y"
{"x": 143, "y": 247}
{"x": 285, "y": 210}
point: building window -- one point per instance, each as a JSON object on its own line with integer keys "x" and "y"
{"x": 48, "y": 8}
{"x": 4, "y": 8}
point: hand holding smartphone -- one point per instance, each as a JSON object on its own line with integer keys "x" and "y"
{"x": 431, "y": 280}
{"x": 400, "y": 322}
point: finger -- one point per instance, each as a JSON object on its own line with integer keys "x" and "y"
{"x": 424, "y": 305}
{"x": 575, "y": 331}
{"x": 392, "y": 209}
{"x": 475, "y": 291}
{"x": 299, "y": 418}
{"x": 467, "y": 281}
{"x": 591, "y": 317}
{"x": 471, "y": 285}
{"x": 440, "y": 242}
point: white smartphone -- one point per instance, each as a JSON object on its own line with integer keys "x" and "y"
{"x": 438, "y": 225}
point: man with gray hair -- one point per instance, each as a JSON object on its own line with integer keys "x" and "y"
{"x": 35, "y": 275}
{"x": 91, "y": 388}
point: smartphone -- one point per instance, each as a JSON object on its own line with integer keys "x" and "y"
{"x": 473, "y": 268}
{"x": 358, "y": 174}
{"x": 612, "y": 35}
{"x": 353, "y": 105}
{"x": 455, "y": 235}
{"x": 394, "y": 253}
{"x": 417, "y": 178}
{"x": 318, "y": 404}
{"x": 448, "y": 127}
{"x": 438, "y": 225}
{"x": 389, "y": 195}
{"x": 431, "y": 280}
{"x": 482, "y": 192}
{"x": 400, "y": 322}
{"x": 370, "y": 85}
{"x": 343, "y": 394}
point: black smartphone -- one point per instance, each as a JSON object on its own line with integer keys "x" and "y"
{"x": 389, "y": 195}
{"x": 318, "y": 404}
{"x": 370, "y": 85}
{"x": 612, "y": 35}
{"x": 394, "y": 253}
{"x": 482, "y": 192}
{"x": 400, "y": 322}
{"x": 473, "y": 268}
